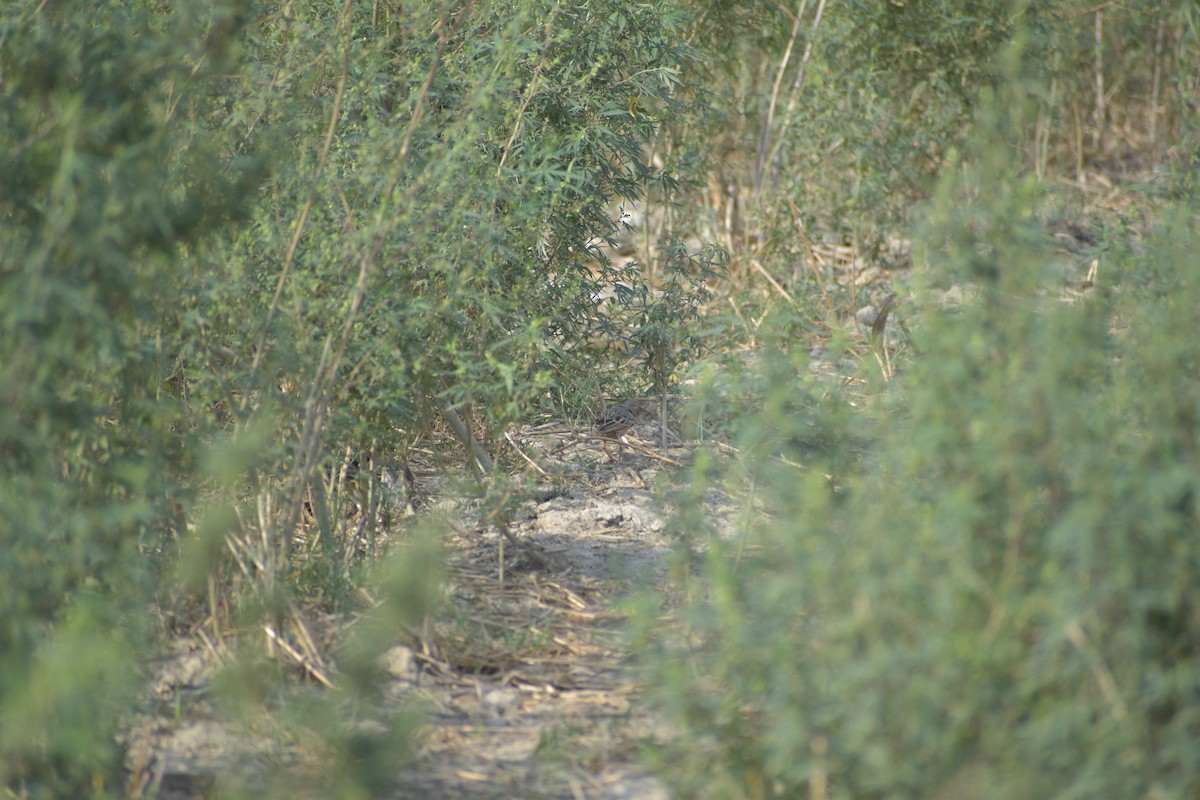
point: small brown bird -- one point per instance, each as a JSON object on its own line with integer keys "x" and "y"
{"x": 614, "y": 422}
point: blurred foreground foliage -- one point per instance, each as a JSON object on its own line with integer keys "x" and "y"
{"x": 1000, "y": 596}
{"x": 105, "y": 180}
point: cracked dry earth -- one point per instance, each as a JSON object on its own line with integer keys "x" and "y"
{"x": 526, "y": 690}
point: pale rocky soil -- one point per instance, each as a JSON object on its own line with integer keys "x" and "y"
{"x": 528, "y": 695}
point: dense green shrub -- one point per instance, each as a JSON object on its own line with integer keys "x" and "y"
{"x": 1001, "y": 600}
{"x": 473, "y": 160}
{"x": 843, "y": 119}
{"x": 103, "y": 182}
{"x": 333, "y": 221}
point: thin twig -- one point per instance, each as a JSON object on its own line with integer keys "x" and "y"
{"x": 760, "y": 269}
{"x": 811, "y": 259}
{"x": 766, "y": 133}
{"x": 309, "y": 667}
{"x": 477, "y": 457}
{"x": 290, "y": 256}
{"x": 509, "y": 438}
{"x": 1097, "y": 129}
{"x": 529, "y": 95}
{"x": 1104, "y": 678}
{"x": 797, "y": 84}
{"x": 496, "y": 517}
{"x": 643, "y": 451}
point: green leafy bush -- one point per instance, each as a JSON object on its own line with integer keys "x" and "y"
{"x": 827, "y": 122}
{"x": 472, "y": 162}
{"x": 104, "y": 182}
{"x": 231, "y": 242}
{"x": 1001, "y": 599}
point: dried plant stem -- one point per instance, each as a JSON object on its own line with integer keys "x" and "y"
{"x": 1102, "y": 675}
{"x": 779, "y": 71}
{"x": 298, "y": 230}
{"x": 1098, "y": 128}
{"x": 797, "y": 84}
{"x": 478, "y": 459}
{"x": 761, "y": 270}
{"x": 530, "y": 93}
{"x": 1156, "y": 81}
{"x": 811, "y": 257}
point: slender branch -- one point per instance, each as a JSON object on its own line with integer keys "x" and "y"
{"x": 290, "y": 257}
{"x": 797, "y": 85}
{"x": 766, "y": 132}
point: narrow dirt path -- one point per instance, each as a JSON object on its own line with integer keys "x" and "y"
{"x": 533, "y": 698}
{"x": 523, "y": 677}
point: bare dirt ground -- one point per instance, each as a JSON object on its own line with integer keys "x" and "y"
{"x": 558, "y": 716}
{"x": 525, "y": 682}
